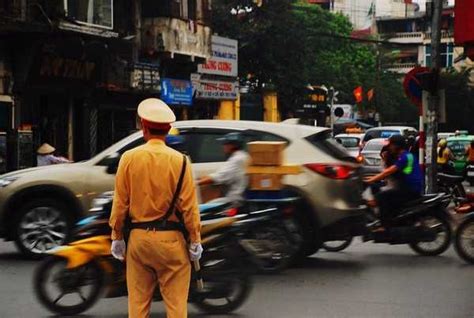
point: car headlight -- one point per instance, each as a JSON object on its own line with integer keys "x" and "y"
{"x": 6, "y": 181}
{"x": 102, "y": 200}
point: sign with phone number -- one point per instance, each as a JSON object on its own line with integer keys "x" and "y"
{"x": 220, "y": 90}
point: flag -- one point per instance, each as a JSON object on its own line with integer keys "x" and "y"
{"x": 358, "y": 94}
{"x": 370, "y": 94}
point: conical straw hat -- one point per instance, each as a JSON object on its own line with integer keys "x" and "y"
{"x": 45, "y": 149}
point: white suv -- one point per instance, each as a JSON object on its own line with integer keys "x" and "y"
{"x": 330, "y": 184}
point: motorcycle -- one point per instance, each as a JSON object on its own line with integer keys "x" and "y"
{"x": 423, "y": 224}
{"x": 464, "y": 239}
{"x": 74, "y": 277}
{"x": 453, "y": 186}
{"x": 276, "y": 239}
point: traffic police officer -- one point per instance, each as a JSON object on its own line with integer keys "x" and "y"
{"x": 147, "y": 179}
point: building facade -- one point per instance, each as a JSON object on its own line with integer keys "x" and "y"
{"x": 361, "y": 13}
{"x": 415, "y": 33}
{"x": 72, "y": 72}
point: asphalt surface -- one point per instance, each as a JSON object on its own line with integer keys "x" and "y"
{"x": 366, "y": 280}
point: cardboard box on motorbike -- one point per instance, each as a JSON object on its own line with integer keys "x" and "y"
{"x": 267, "y": 167}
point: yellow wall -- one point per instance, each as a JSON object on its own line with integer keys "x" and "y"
{"x": 229, "y": 110}
{"x": 270, "y": 105}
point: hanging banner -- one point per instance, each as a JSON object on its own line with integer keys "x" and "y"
{"x": 224, "y": 60}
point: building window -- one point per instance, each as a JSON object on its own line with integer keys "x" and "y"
{"x": 98, "y": 13}
{"x": 446, "y": 50}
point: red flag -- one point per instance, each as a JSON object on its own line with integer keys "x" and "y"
{"x": 370, "y": 94}
{"x": 358, "y": 94}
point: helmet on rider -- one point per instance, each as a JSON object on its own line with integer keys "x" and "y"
{"x": 234, "y": 138}
{"x": 398, "y": 142}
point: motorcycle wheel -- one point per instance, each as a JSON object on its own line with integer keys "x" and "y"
{"x": 337, "y": 246}
{"x": 443, "y": 237}
{"x": 238, "y": 285}
{"x": 275, "y": 247}
{"x": 464, "y": 240}
{"x": 68, "y": 283}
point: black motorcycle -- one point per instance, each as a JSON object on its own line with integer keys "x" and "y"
{"x": 423, "y": 224}
{"x": 275, "y": 239}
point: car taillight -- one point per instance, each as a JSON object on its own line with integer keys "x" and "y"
{"x": 332, "y": 171}
{"x": 232, "y": 212}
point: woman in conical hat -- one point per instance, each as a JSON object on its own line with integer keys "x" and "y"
{"x": 45, "y": 156}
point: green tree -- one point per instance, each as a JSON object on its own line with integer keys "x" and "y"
{"x": 286, "y": 43}
{"x": 458, "y": 86}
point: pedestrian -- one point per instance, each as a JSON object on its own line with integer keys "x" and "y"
{"x": 232, "y": 174}
{"x": 155, "y": 189}
{"x": 45, "y": 156}
{"x": 445, "y": 157}
{"x": 470, "y": 153}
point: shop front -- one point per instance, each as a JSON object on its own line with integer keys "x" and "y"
{"x": 215, "y": 83}
{"x": 52, "y": 101}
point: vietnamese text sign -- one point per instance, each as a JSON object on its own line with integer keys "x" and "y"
{"x": 210, "y": 89}
{"x": 146, "y": 77}
{"x": 176, "y": 92}
{"x": 224, "y": 60}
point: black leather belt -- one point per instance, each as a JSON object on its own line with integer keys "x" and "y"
{"x": 157, "y": 226}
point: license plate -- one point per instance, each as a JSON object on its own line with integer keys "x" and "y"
{"x": 470, "y": 173}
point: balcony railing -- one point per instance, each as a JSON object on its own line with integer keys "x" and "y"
{"x": 444, "y": 35}
{"x": 400, "y": 67}
{"x": 405, "y": 37}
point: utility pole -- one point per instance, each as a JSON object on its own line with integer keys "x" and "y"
{"x": 331, "y": 107}
{"x": 433, "y": 100}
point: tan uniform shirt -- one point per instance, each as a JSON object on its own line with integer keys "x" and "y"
{"x": 146, "y": 180}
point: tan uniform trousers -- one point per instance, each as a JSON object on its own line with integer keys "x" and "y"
{"x": 157, "y": 257}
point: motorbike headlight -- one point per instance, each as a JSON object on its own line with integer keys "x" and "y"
{"x": 102, "y": 200}
{"x": 6, "y": 181}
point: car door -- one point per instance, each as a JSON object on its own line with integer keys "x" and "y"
{"x": 206, "y": 150}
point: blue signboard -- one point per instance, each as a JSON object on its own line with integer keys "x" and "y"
{"x": 176, "y": 92}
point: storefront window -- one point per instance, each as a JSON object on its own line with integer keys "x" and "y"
{"x": 91, "y": 12}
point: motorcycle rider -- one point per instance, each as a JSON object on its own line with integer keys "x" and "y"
{"x": 445, "y": 157}
{"x": 470, "y": 153}
{"x": 147, "y": 186}
{"x": 232, "y": 173}
{"x": 409, "y": 181}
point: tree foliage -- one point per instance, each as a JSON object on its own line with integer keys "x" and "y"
{"x": 285, "y": 43}
{"x": 459, "y": 92}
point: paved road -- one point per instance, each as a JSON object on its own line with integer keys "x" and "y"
{"x": 365, "y": 281}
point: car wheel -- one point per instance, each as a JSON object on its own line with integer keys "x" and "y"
{"x": 42, "y": 225}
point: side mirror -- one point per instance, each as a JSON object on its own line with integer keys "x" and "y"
{"x": 112, "y": 162}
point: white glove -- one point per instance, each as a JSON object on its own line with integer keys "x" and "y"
{"x": 118, "y": 249}
{"x": 195, "y": 251}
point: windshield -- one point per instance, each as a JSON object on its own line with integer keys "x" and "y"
{"x": 348, "y": 142}
{"x": 458, "y": 147}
